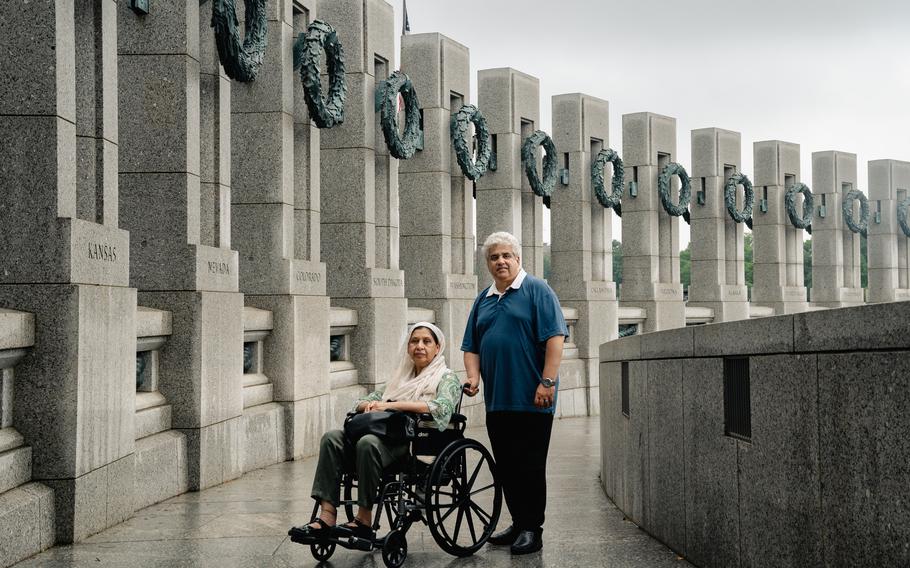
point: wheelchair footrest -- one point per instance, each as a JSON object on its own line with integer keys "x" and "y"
{"x": 299, "y": 536}
{"x": 354, "y": 543}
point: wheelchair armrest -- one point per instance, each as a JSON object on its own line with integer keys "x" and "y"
{"x": 455, "y": 419}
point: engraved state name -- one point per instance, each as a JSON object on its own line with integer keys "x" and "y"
{"x": 461, "y": 285}
{"x": 216, "y": 267}
{"x": 304, "y": 276}
{"x": 98, "y": 251}
{"x": 391, "y": 282}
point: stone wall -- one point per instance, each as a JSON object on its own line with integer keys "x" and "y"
{"x": 821, "y": 478}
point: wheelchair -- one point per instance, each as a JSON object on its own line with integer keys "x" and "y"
{"x": 446, "y": 481}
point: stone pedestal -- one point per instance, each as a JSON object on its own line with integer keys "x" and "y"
{"x": 437, "y": 216}
{"x": 581, "y": 230}
{"x": 835, "y": 248}
{"x": 889, "y": 253}
{"x": 718, "y": 261}
{"x": 275, "y": 175}
{"x": 650, "y": 236}
{"x": 777, "y": 246}
{"x": 510, "y": 102}
{"x": 359, "y": 193}
{"x": 175, "y": 114}
{"x": 66, "y": 260}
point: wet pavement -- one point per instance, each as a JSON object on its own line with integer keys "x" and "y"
{"x": 244, "y": 523}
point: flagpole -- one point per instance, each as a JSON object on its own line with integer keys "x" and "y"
{"x": 405, "y": 24}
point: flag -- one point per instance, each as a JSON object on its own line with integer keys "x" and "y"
{"x": 405, "y": 24}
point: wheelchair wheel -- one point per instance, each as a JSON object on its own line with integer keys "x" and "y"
{"x": 395, "y": 549}
{"x": 322, "y": 551}
{"x": 463, "y": 497}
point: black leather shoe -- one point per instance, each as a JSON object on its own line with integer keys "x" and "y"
{"x": 527, "y": 542}
{"x": 507, "y": 536}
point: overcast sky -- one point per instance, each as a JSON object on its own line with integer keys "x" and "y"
{"x": 826, "y": 74}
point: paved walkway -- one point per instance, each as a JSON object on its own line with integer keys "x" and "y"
{"x": 245, "y": 522}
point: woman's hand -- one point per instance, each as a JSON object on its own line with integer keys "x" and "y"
{"x": 378, "y": 405}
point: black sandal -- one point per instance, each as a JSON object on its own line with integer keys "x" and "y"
{"x": 358, "y": 530}
{"x": 306, "y": 532}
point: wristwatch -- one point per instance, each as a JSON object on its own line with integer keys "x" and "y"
{"x": 549, "y": 383}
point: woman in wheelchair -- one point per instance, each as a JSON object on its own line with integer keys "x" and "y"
{"x": 421, "y": 384}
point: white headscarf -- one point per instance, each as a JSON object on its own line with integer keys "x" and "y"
{"x": 403, "y": 385}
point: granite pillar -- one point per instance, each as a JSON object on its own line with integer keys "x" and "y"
{"x": 359, "y": 193}
{"x": 581, "y": 232}
{"x": 437, "y": 217}
{"x": 175, "y": 119}
{"x": 835, "y": 248}
{"x": 889, "y": 253}
{"x": 717, "y": 246}
{"x": 66, "y": 259}
{"x": 777, "y": 246}
{"x": 650, "y": 236}
{"x": 510, "y": 102}
{"x": 272, "y": 218}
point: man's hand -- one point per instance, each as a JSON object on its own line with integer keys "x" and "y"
{"x": 543, "y": 397}
{"x": 472, "y": 385}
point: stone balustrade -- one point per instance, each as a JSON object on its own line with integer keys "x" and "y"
{"x": 26, "y": 508}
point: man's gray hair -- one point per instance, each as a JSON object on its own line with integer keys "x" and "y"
{"x": 502, "y": 238}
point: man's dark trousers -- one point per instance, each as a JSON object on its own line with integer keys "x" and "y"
{"x": 520, "y": 442}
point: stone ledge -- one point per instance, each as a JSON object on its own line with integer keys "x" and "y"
{"x": 255, "y": 319}
{"x": 15, "y": 467}
{"x": 152, "y": 420}
{"x": 670, "y": 343}
{"x": 10, "y": 439}
{"x": 744, "y": 337}
{"x": 151, "y": 322}
{"x": 885, "y": 327}
{"x": 342, "y": 317}
{"x": 26, "y": 522}
{"x": 257, "y": 394}
{"x": 160, "y": 468}
{"x": 17, "y": 329}
{"x": 420, "y": 314}
{"x": 262, "y": 436}
{"x": 622, "y": 349}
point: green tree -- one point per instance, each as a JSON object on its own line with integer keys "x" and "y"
{"x": 617, "y": 261}
{"x": 807, "y": 263}
{"x": 546, "y": 261}
{"x": 685, "y": 267}
{"x": 747, "y": 257}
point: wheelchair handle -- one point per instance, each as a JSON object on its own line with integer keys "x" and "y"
{"x": 464, "y": 389}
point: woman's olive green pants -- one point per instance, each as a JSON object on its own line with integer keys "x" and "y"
{"x": 368, "y": 458}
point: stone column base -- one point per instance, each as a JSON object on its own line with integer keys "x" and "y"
{"x": 95, "y": 501}
{"x": 213, "y": 453}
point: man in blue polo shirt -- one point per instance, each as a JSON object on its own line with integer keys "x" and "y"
{"x": 513, "y": 340}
